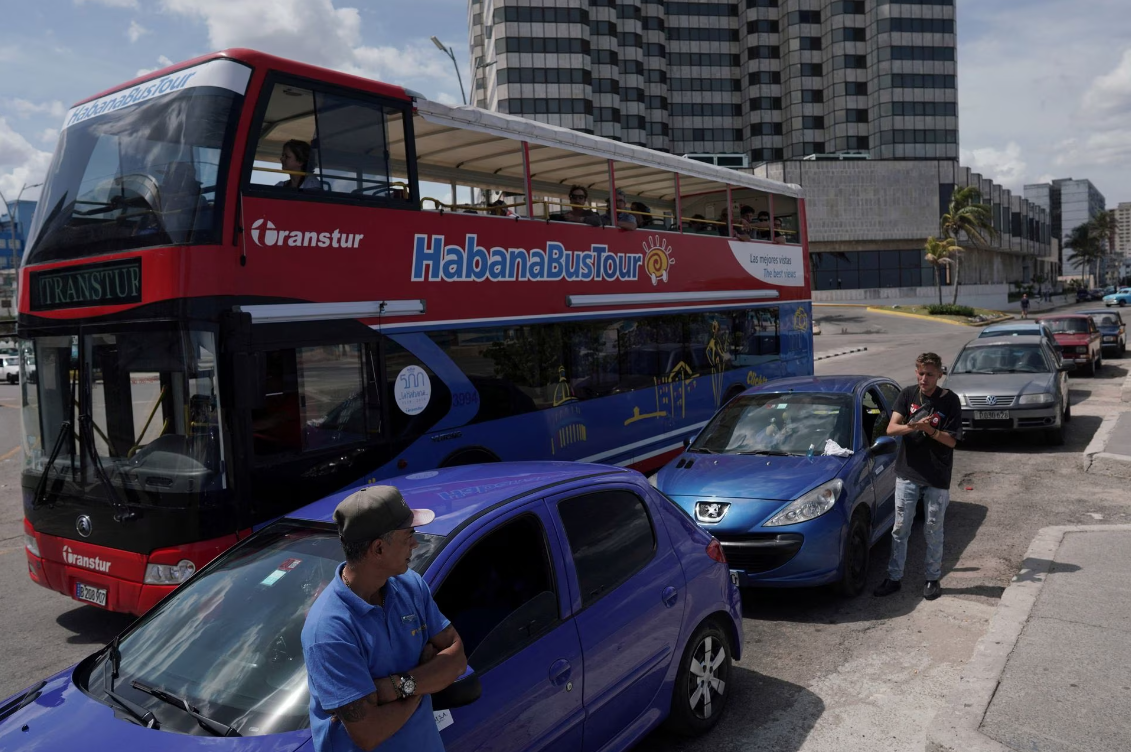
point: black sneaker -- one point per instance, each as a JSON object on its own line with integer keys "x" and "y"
{"x": 932, "y": 590}
{"x": 886, "y": 588}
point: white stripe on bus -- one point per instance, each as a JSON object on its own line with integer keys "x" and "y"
{"x": 636, "y": 445}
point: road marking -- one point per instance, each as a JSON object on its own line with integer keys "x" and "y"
{"x": 9, "y": 454}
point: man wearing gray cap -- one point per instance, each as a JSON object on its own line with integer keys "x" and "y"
{"x": 376, "y": 646}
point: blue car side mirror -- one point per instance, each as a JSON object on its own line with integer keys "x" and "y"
{"x": 883, "y": 445}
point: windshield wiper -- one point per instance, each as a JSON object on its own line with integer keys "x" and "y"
{"x": 206, "y": 723}
{"x": 122, "y": 511}
{"x": 41, "y": 487}
{"x": 701, "y": 450}
{"x": 110, "y": 669}
{"x": 18, "y": 704}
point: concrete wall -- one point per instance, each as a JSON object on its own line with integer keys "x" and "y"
{"x": 994, "y": 297}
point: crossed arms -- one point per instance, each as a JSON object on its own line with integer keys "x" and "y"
{"x": 377, "y": 716}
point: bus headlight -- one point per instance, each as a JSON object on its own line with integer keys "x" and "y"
{"x": 169, "y": 574}
{"x": 32, "y": 545}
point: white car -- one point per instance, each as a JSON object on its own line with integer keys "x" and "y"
{"x": 10, "y": 368}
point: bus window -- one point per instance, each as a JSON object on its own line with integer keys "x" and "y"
{"x": 329, "y": 144}
{"x": 316, "y": 398}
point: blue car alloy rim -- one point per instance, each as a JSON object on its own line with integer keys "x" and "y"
{"x": 706, "y": 683}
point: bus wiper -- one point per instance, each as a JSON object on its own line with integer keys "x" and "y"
{"x": 208, "y": 724}
{"x": 41, "y": 487}
{"x": 110, "y": 673}
{"x": 122, "y": 511}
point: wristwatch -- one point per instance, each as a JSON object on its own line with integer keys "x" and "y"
{"x": 405, "y": 686}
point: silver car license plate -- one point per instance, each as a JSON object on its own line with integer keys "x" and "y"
{"x": 734, "y": 578}
{"x": 991, "y": 415}
{"x": 94, "y": 595}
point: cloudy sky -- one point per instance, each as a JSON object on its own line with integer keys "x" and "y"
{"x": 1044, "y": 85}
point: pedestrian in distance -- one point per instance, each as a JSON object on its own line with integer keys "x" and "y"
{"x": 929, "y": 418}
{"x": 1024, "y": 305}
{"x": 375, "y": 644}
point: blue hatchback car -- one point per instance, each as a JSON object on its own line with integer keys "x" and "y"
{"x": 795, "y": 478}
{"x": 591, "y": 609}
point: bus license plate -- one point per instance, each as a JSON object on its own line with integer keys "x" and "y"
{"x": 734, "y": 578}
{"x": 94, "y": 595}
{"x": 991, "y": 415}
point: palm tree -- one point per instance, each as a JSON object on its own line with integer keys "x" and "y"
{"x": 1103, "y": 228}
{"x": 1085, "y": 246}
{"x": 941, "y": 252}
{"x": 968, "y": 216}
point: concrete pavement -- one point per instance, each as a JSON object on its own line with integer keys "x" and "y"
{"x": 1050, "y": 674}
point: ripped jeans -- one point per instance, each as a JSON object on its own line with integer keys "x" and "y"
{"x": 935, "y": 501}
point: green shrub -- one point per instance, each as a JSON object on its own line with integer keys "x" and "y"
{"x": 950, "y": 310}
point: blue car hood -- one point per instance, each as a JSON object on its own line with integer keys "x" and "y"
{"x": 62, "y": 719}
{"x": 746, "y": 476}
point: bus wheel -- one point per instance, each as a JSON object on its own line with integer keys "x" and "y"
{"x": 733, "y": 392}
{"x": 469, "y": 457}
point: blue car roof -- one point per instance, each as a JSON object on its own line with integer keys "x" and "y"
{"x": 457, "y": 494}
{"x": 845, "y": 384}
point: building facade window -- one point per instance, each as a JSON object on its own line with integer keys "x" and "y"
{"x": 765, "y": 103}
{"x": 519, "y": 14}
{"x": 812, "y": 69}
{"x": 603, "y": 57}
{"x": 857, "y": 143}
{"x": 927, "y": 109}
{"x": 656, "y": 76}
{"x": 653, "y": 23}
{"x": 657, "y": 129}
{"x": 656, "y": 103}
{"x": 606, "y": 115}
{"x": 632, "y": 68}
{"x": 636, "y": 122}
{"x": 766, "y": 129}
{"x": 849, "y": 7}
{"x": 855, "y": 116}
{"x": 688, "y": 109}
{"x": 543, "y": 76}
{"x": 629, "y": 12}
{"x": 919, "y": 54}
{"x": 812, "y": 96}
{"x": 763, "y": 52}
{"x": 762, "y": 26}
{"x": 606, "y": 86}
{"x": 707, "y": 134}
{"x": 915, "y": 2}
{"x": 631, "y": 94}
{"x": 542, "y": 44}
{"x": 701, "y": 9}
{"x": 917, "y": 81}
{"x": 804, "y": 17}
{"x": 916, "y": 25}
{"x": 855, "y": 270}
{"x": 810, "y": 43}
{"x": 918, "y": 136}
{"x": 630, "y": 39}
{"x": 856, "y": 88}
{"x": 851, "y": 61}
{"x": 702, "y": 35}
{"x": 850, "y": 34}
{"x": 603, "y": 28}
{"x": 699, "y": 59}
{"x": 764, "y": 78}
{"x": 531, "y": 106}
{"x": 705, "y": 84}
{"x": 813, "y": 122}
{"x": 654, "y": 49}
{"x": 765, "y": 155}
{"x": 761, "y": 3}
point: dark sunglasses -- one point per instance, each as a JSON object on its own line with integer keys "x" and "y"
{"x": 578, "y": 196}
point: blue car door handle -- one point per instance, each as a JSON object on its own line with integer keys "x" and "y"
{"x": 669, "y": 596}
{"x": 559, "y": 672}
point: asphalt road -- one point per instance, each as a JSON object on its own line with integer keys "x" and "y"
{"x": 819, "y": 672}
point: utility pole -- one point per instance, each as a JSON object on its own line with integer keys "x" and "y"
{"x": 452, "y": 55}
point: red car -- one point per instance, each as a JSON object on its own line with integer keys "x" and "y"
{"x": 1079, "y": 340}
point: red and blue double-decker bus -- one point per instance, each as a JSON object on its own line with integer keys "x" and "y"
{"x": 250, "y": 283}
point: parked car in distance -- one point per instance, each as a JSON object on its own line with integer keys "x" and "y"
{"x": 1079, "y": 340}
{"x": 1113, "y": 331}
{"x": 1120, "y": 297}
{"x": 589, "y": 605}
{"x": 1011, "y": 384}
{"x": 1021, "y": 328}
{"x": 765, "y": 478}
{"x": 10, "y": 368}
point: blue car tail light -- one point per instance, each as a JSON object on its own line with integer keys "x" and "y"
{"x": 715, "y": 551}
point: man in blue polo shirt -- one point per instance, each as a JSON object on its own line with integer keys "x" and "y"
{"x": 376, "y": 646}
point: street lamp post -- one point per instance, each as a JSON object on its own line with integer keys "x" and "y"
{"x": 452, "y": 55}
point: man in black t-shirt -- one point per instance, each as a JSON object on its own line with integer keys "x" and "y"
{"x": 929, "y": 418}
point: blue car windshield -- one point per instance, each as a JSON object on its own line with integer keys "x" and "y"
{"x": 791, "y": 423}
{"x": 229, "y": 640}
{"x": 1002, "y": 359}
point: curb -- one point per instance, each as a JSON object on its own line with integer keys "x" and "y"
{"x": 1125, "y": 392}
{"x": 1097, "y": 459}
{"x": 955, "y": 727}
{"x": 838, "y": 353}
{"x": 987, "y": 322}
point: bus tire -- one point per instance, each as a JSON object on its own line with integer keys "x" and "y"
{"x": 469, "y": 456}
{"x": 733, "y": 392}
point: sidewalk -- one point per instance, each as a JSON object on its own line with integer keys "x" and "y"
{"x": 1051, "y": 673}
{"x": 1040, "y": 307}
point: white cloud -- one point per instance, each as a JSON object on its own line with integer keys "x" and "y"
{"x": 445, "y": 98}
{"x": 317, "y": 32}
{"x": 110, "y": 3}
{"x": 162, "y": 62}
{"x": 49, "y": 135}
{"x": 136, "y": 31}
{"x": 26, "y": 108}
{"x": 1004, "y": 166}
{"x": 20, "y": 163}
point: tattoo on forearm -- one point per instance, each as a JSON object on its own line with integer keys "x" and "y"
{"x": 357, "y": 709}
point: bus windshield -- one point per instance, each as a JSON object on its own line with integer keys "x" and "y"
{"x": 141, "y": 175}
{"x": 138, "y": 407}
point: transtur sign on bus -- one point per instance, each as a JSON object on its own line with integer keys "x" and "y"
{"x": 432, "y": 260}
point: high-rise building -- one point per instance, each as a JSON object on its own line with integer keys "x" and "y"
{"x": 1070, "y": 203}
{"x": 739, "y": 82}
{"x": 1123, "y": 229}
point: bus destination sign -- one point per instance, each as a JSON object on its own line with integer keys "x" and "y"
{"x": 110, "y": 283}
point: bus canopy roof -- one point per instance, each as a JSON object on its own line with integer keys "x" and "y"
{"x": 452, "y": 141}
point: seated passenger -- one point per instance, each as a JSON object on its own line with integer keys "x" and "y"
{"x": 579, "y": 212}
{"x": 642, "y": 214}
{"x": 744, "y": 230}
{"x": 779, "y": 234}
{"x": 499, "y": 208}
{"x": 762, "y": 226}
{"x": 698, "y": 224}
{"x": 295, "y": 159}
{"x": 624, "y": 220}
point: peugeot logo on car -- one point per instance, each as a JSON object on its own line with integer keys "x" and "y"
{"x": 84, "y": 526}
{"x": 711, "y": 511}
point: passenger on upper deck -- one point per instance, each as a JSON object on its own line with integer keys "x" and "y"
{"x": 643, "y": 214}
{"x": 698, "y": 224}
{"x": 624, "y": 221}
{"x": 579, "y": 211}
{"x": 295, "y": 159}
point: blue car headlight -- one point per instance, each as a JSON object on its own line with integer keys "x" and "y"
{"x": 808, "y": 506}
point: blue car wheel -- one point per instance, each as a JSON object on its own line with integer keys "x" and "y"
{"x": 857, "y": 554}
{"x": 701, "y": 686}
